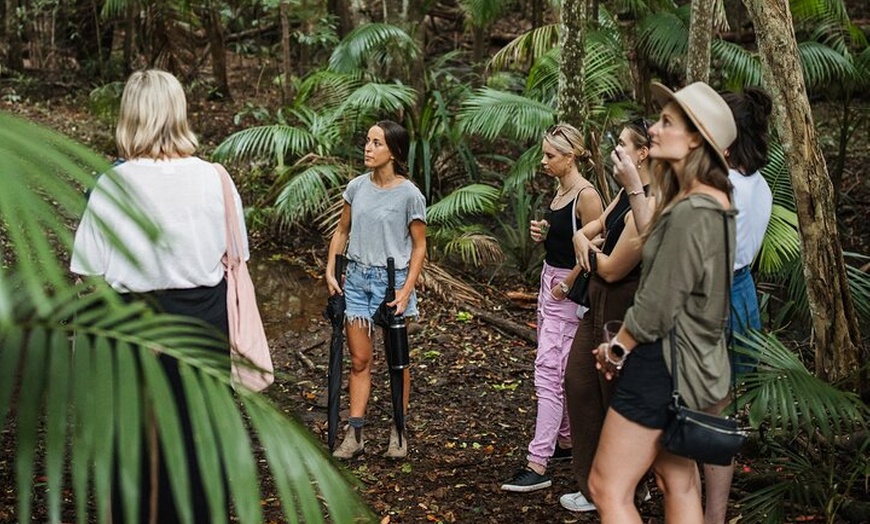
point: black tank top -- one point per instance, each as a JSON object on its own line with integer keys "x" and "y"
{"x": 558, "y": 244}
{"x": 615, "y": 224}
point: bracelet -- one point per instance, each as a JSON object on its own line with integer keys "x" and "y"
{"x": 638, "y": 192}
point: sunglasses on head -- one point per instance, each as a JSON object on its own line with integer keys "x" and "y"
{"x": 558, "y": 129}
{"x": 641, "y": 125}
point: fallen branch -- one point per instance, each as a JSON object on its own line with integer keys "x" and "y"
{"x": 504, "y": 324}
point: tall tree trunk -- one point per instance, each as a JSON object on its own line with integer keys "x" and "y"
{"x": 286, "y": 61}
{"x": 836, "y": 335}
{"x": 341, "y": 10}
{"x": 572, "y": 28}
{"x": 700, "y": 40}
{"x": 214, "y": 29}
{"x": 15, "y": 52}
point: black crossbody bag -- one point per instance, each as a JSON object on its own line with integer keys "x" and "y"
{"x": 700, "y": 436}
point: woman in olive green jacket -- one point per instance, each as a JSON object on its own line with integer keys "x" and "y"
{"x": 684, "y": 287}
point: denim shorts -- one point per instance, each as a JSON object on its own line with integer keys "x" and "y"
{"x": 745, "y": 315}
{"x": 365, "y": 287}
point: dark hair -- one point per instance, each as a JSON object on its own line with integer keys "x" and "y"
{"x": 639, "y": 128}
{"x": 398, "y": 142}
{"x": 751, "y": 110}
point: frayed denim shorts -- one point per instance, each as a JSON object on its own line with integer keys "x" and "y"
{"x": 365, "y": 288}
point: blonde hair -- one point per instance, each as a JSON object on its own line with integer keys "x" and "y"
{"x": 567, "y": 140}
{"x": 152, "y": 122}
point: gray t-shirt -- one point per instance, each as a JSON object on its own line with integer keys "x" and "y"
{"x": 381, "y": 220}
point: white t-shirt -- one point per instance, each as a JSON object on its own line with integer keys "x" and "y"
{"x": 184, "y": 199}
{"x": 754, "y": 203}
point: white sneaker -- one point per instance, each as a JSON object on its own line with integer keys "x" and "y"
{"x": 576, "y": 502}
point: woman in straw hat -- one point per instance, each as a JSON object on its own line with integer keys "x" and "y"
{"x": 682, "y": 287}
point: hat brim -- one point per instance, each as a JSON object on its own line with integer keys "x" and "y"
{"x": 662, "y": 95}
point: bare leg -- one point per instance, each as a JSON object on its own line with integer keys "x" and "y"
{"x": 717, "y": 482}
{"x": 360, "y": 344}
{"x": 407, "y": 392}
{"x": 679, "y": 481}
{"x": 626, "y": 450}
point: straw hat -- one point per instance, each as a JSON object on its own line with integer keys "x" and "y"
{"x": 707, "y": 110}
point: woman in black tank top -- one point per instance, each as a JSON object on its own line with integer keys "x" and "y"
{"x": 611, "y": 289}
{"x": 575, "y": 201}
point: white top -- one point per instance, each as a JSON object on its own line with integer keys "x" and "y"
{"x": 183, "y": 198}
{"x": 754, "y": 203}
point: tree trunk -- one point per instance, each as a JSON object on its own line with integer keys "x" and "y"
{"x": 15, "y": 52}
{"x": 286, "y": 61}
{"x": 341, "y": 10}
{"x": 572, "y": 105}
{"x": 211, "y": 19}
{"x": 700, "y": 40}
{"x": 836, "y": 335}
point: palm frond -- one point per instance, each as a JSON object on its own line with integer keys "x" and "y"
{"x": 859, "y": 282}
{"x": 473, "y": 199}
{"x": 663, "y": 38}
{"x": 781, "y": 242}
{"x": 372, "y": 44}
{"x": 373, "y": 98}
{"x": 493, "y": 114}
{"x": 523, "y": 170}
{"x": 824, "y": 66}
{"x": 740, "y": 67}
{"x": 80, "y": 364}
{"x": 447, "y": 286}
{"x": 783, "y": 393}
{"x": 526, "y": 48}
{"x": 473, "y": 246}
{"x": 274, "y": 142}
{"x": 324, "y": 88}
{"x": 305, "y": 190}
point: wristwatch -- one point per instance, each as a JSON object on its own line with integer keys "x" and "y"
{"x": 564, "y": 287}
{"x": 616, "y": 353}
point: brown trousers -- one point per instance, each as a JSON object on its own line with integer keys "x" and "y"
{"x": 586, "y": 391}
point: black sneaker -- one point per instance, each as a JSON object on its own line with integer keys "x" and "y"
{"x": 527, "y": 480}
{"x": 561, "y": 454}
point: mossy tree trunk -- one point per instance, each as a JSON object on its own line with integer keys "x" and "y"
{"x": 836, "y": 334}
{"x": 572, "y": 27}
{"x": 700, "y": 40}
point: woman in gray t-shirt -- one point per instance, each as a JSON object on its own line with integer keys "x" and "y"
{"x": 384, "y": 216}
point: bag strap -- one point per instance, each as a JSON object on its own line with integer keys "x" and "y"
{"x": 234, "y": 235}
{"x": 729, "y": 274}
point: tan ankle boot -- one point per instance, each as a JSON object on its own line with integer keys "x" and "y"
{"x": 394, "y": 450}
{"x": 350, "y": 446}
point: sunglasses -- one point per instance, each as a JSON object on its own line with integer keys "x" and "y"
{"x": 558, "y": 129}
{"x": 642, "y": 126}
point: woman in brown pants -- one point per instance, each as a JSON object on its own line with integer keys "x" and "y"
{"x": 616, "y": 273}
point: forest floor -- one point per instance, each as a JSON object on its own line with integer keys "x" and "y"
{"x": 473, "y": 402}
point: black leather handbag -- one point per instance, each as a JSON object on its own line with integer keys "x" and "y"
{"x": 579, "y": 292}
{"x": 694, "y": 434}
{"x": 700, "y": 436}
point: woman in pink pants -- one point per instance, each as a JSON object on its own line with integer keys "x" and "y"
{"x": 576, "y": 202}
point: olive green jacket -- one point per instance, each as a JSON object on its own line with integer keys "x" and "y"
{"x": 686, "y": 283}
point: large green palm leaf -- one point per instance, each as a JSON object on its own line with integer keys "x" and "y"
{"x": 663, "y": 38}
{"x": 77, "y": 405}
{"x": 496, "y": 114}
{"x": 784, "y": 394}
{"x": 373, "y": 46}
{"x": 781, "y": 242}
{"x": 472, "y": 199}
